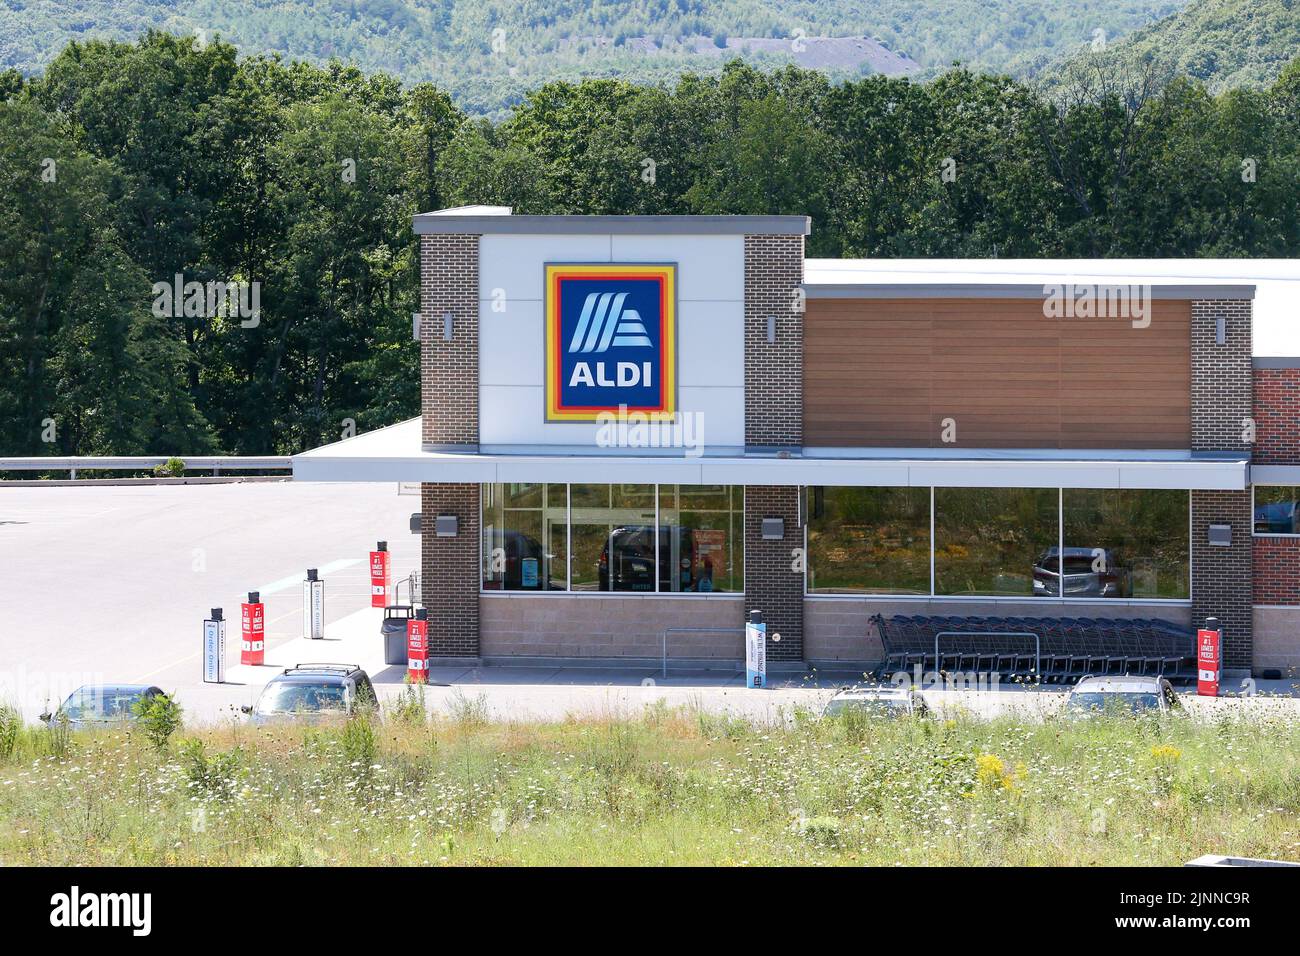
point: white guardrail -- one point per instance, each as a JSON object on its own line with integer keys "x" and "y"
{"x": 217, "y": 463}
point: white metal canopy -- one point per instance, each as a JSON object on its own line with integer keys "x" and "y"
{"x": 395, "y": 454}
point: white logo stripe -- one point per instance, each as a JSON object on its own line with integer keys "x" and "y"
{"x": 583, "y": 321}
{"x": 598, "y": 321}
{"x": 611, "y": 322}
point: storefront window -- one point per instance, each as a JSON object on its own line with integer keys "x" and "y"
{"x": 995, "y": 541}
{"x": 695, "y": 547}
{"x": 701, "y": 538}
{"x": 525, "y": 537}
{"x": 868, "y": 540}
{"x": 988, "y": 542}
{"x": 613, "y": 539}
{"x": 1275, "y": 509}
{"x": 1125, "y": 543}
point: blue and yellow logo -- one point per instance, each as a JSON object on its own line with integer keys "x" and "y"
{"x": 611, "y": 339}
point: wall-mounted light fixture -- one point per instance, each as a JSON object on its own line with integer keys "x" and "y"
{"x": 771, "y": 330}
{"x": 1220, "y": 535}
{"x": 446, "y": 326}
{"x": 415, "y": 326}
{"x": 446, "y": 526}
{"x": 1221, "y": 330}
{"x": 773, "y": 529}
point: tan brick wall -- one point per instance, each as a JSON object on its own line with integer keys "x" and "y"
{"x": 599, "y": 626}
{"x": 1221, "y": 577}
{"x": 1222, "y": 403}
{"x": 449, "y": 569}
{"x": 1221, "y": 375}
{"x": 773, "y": 371}
{"x": 772, "y": 585}
{"x": 1277, "y": 640}
{"x": 839, "y": 629}
{"x": 449, "y": 369}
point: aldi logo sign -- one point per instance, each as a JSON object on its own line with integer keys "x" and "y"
{"x": 611, "y": 338}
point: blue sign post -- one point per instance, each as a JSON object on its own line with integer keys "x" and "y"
{"x": 755, "y": 651}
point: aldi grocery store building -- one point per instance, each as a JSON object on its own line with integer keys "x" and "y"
{"x": 639, "y": 425}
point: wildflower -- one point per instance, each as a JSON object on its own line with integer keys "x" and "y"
{"x": 1166, "y": 753}
{"x": 993, "y": 774}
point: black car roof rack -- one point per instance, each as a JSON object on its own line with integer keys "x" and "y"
{"x": 342, "y": 668}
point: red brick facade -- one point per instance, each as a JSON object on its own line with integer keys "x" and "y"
{"x": 1277, "y": 442}
{"x": 1277, "y": 416}
{"x": 1277, "y": 570}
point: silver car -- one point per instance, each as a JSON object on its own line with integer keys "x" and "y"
{"x": 1122, "y": 695}
{"x": 102, "y": 705}
{"x": 879, "y": 701}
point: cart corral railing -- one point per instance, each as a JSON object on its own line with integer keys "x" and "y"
{"x": 216, "y": 463}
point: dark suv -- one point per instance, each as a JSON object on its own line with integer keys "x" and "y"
{"x": 1080, "y": 579}
{"x": 311, "y": 691}
{"x": 632, "y": 566}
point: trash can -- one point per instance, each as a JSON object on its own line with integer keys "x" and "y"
{"x": 394, "y": 632}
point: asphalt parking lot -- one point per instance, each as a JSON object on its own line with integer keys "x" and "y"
{"x": 112, "y": 583}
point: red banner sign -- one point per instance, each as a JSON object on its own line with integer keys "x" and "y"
{"x": 252, "y": 643}
{"x": 379, "y": 579}
{"x": 1208, "y": 661}
{"x": 417, "y": 651}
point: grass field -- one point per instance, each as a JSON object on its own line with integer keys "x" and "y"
{"x": 676, "y": 786}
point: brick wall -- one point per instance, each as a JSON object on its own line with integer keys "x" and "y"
{"x": 1221, "y": 577}
{"x": 590, "y": 625}
{"x": 449, "y": 369}
{"x": 1222, "y": 405}
{"x": 772, "y": 585}
{"x": 449, "y": 569}
{"x": 1277, "y": 416}
{"x": 1277, "y": 560}
{"x": 773, "y": 371}
{"x": 1221, "y": 375}
{"x": 1277, "y": 570}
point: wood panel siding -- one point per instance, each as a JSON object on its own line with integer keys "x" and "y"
{"x": 887, "y": 372}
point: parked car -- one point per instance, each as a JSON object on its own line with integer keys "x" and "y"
{"x": 312, "y": 691}
{"x": 102, "y": 705}
{"x": 1122, "y": 695}
{"x": 880, "y": 701}
{"x": 1116, "y": 581}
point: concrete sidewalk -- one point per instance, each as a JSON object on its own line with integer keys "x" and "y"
{"x": 555, "y": 692}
